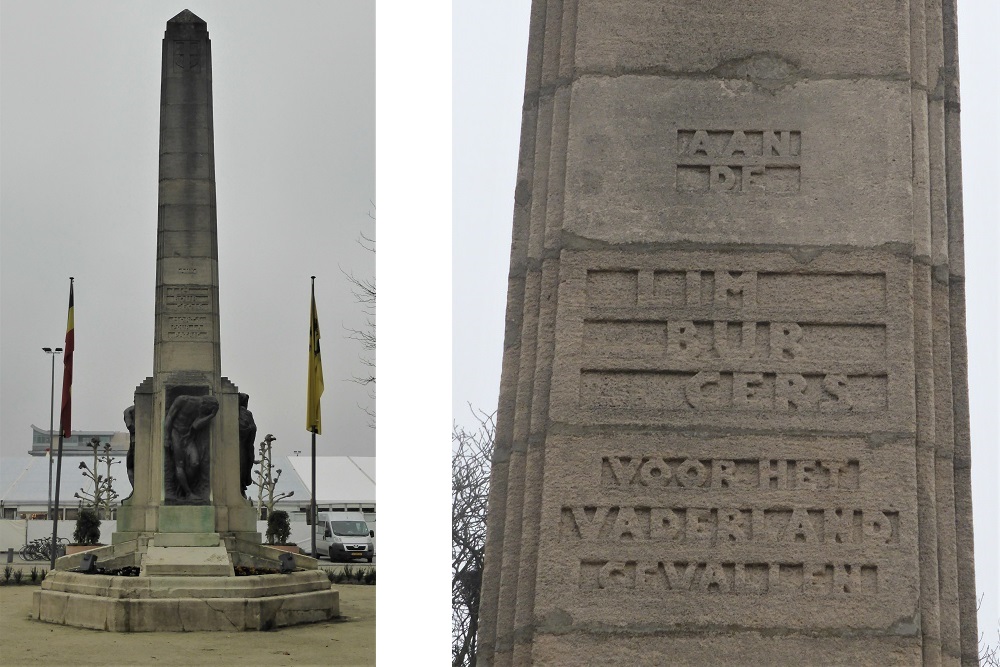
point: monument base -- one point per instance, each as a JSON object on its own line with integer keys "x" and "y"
{"x": 187, "y": 582}
{"x": 185, "y": 603}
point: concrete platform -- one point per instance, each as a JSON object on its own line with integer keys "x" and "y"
{"x": 187, "y": 561}
{"x": 185, "y": 603}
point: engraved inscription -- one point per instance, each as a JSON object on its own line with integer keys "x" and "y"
{"x": 669, "y": 472}
{"x": 828, "y": 393}
{"x": 807, "y": 578}
{"x": 734, "y": 161}
{"x": 734, "y": 340}
{"x": 189, "y": 327}
{"x": 188, "y": 298}
{"x": 718, "y": 526}
{"x": 857, "y": 294}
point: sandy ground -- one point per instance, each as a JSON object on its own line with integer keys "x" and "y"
{"x": 348, "y": 641}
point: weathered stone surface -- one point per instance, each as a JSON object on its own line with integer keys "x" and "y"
{"x": 188, "y": 561}
{"x": 733, "y": 424}
{"x": 185, "y": 604}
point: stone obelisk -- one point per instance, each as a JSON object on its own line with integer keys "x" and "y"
{"x": 187, "y": 468}
{"x": 186, "y": 528}
{"x": 733, "y": 423}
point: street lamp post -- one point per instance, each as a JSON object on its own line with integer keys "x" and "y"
{"x": 52, "y": 407}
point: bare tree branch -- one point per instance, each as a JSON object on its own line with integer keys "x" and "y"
{"x": 470, "y": 481}
{"x": 363, "y": 290}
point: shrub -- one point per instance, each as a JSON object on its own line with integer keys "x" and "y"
{"x": 88, "y": 527}
{"x": 17, "y": 576}
{"x": 34, "y": 574}
{"x": 278, "y": 527}
{"x": 7, "y": 571}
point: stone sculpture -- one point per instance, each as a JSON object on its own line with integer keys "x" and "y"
{"x": 248, "y": 434}
{"x": 186, "y": 417}
{"x": 130, "y": 458}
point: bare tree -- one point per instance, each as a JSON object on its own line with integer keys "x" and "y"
{"x": 267, "y": 477}
{"x": 363, "y": 290}
{"x": 470, "y": 487}
{"x": 103, "y": 495}
{"x": 989, "y": 655}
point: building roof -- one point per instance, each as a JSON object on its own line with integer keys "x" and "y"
{"x": 24, "y": 480}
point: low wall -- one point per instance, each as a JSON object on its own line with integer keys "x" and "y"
{"x": 12, "y": 531}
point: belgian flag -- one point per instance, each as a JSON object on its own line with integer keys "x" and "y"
{"x": 315, "y": 388}
{"x": 67, "y": 388}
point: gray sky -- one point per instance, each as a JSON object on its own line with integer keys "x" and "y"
{"x": 294, "y": 104}
{"x": 490, "y": 43}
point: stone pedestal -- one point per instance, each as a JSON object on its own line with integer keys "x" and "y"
{"x": 733, "y": 423}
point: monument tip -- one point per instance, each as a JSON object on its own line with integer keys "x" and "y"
{"x": 186, "y": 16}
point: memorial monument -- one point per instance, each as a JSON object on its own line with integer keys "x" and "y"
{"x": 733, "y": 423}
{"x": 186, "y": 524}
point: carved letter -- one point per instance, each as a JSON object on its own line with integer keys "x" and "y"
{"x": 723, "y": 474}
{"x": 737, "y": 144}
{"x": 804, "y": 475}
{"x": 614, "y": 575}
{"x": 624, "y": 471}
{"x": 721, "y": 178}
{"x": 732, "y": 525}
{"x": 692, "y": 288}
{"x": 679, "y": 581}
{"x": 789, "y": 389}
{"x": 589, "y": 527}
{"x": 777, "y": 474}
{"x": 691, "y": 474}
{"x": 799, "y": 528}
{"x": 714, "y": 575}
{"x": 699, "y": 144}
{"x": 744, "y": 285}
{"x": 700, "y": 525}
{"x": 654, "y": 472}
{"x": 745, "y": 349}
{"x": 846, "y": 579}
{"x": 835, "y": 386}
{"x": 838, "y": 526}
{"x": 682, "y": 339}
{"x": 752, "y": 178}
{"x": 626, "y": 523}
{"x": 664, "y": 524}
{"x": 875, "y": 526}
{"x": 837, "y": 471}
{"x": 785, "y": 337}
{"x": 650, "y": 574}
{"x": 746, "y": 388}
{"x": 694, "y": 390}
{"x": 774, "y": 146}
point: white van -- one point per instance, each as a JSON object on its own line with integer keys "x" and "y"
{"x": 344, "y": 536}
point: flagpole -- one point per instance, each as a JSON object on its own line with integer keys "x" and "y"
{"x": 63, "y": 421}
{"x": 312, "y": 502}
{"x": 313, "y": 392}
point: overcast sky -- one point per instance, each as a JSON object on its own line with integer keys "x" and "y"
{"x": 294, "y": 105}
{"x": 490, "y": 42}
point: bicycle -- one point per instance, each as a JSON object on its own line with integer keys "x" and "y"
{"x": 41, "y": 549}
